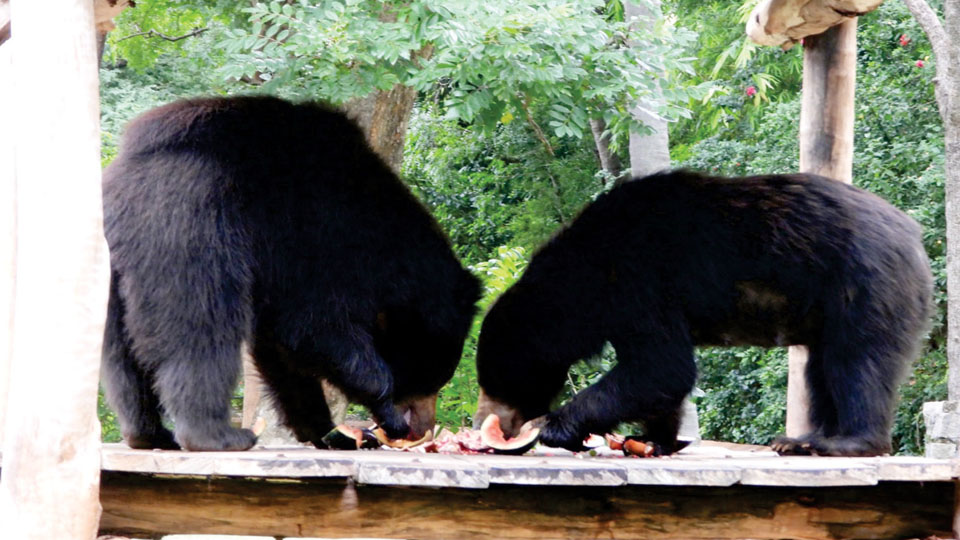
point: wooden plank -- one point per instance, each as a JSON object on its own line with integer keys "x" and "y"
{"x": 696, "y": 466}
{"x": 392, "y": 468}
{"x": 915, "y": 469}
{"x": 284, "y": 463}
{"x": 808, "y": 471}
{"x": 675, "y": 472}
{"x": 553, "y": 471}
{"x": 138, "y": 505}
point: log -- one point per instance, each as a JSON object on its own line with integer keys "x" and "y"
{"x": 139, "y": 505}
{"x": 51, "y": 452}
{"x": 785, "y": 22}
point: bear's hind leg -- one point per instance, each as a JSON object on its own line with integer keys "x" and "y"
{"x": 196, "y": 393}
{"x": 852, "y": 396}
{"x": 128, "y": 387}
{"x": 188, "y": 316}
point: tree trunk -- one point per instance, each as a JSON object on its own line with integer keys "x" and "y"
{"x": 945, "y": 39}
{"x": 648, "y": 153}
{"x": 952, "y": 140}
{"x": 384, "y": 117}
{"x": 51, "y": 453}
{"x": 609, "y": 161}
{"x": 826, "y": 148}
{"x": 951, "y": 121}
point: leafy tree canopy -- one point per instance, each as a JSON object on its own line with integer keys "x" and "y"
{"x": 484, "y": 62}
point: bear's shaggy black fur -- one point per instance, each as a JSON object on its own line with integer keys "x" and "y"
{"x": 664, "y": 263}
{"x": 254, "y": 219}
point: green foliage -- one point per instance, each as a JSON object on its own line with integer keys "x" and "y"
{"x": 125, "y": 93}
{"x": 744, "y": 398}
{"x": 156, "y": 29}
{"x": 109, "y": 428}
{"x": 772, "y": 147}
{"x": 457, "y": 401}
{"x": 486, "y": 62}
{"x": 497, "y": 188}
{"x": 733, "y": 64}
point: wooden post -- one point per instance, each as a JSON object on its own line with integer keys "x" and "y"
{"x": 826, "y": 148}
{"x": 51, "y": 453}
{"x": 7, "y": 210}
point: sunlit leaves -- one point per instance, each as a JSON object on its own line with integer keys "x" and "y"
{"x": 484, "y": 60}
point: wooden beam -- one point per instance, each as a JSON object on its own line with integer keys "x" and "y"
{"x": 786, "y": 22}
{"x": 138, "y": 505}
{"x": 701, "y": 465}
{"x": 826, "y": 148}
{"x": 51, "y": 452}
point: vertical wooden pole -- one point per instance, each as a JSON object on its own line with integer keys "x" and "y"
{"x": 7, "y": 220}
{"x": 51, "y": 454}
{"x": 826, "y": 148}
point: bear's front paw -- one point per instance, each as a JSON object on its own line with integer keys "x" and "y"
{"x": 312, "y": 434}
{"x": 560, "y": 434}
{"x": 395, "y": 427}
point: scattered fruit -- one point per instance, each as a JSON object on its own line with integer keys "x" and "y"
{"x": 492, "y": 437}
{"x": 636, "y": 447}
{"x": 401, "y": 444}
{"x": 614, "y": 441}
{"x": 344, "y": 437}
{"x": 594, "y": 441}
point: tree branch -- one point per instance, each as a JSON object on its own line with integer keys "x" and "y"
{"x": 940, "y": 41}
{"x": 154, "y": 33}
{"x": 609, "y": 161}
{"x": 536, "y": 127}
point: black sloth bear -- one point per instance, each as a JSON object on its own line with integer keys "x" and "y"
{"x": 251, "y": 219}
{"x": 664, "y": 263}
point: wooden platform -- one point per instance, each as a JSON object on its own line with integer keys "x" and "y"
{"x": 703, "y": 492}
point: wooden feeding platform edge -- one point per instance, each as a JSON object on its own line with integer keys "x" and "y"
{"x": 702, "y": 492}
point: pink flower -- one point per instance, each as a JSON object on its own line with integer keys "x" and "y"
{"x": 904, "y": 40}
{"x": 751, "y": 91}
{"x": 920, "y": 63}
